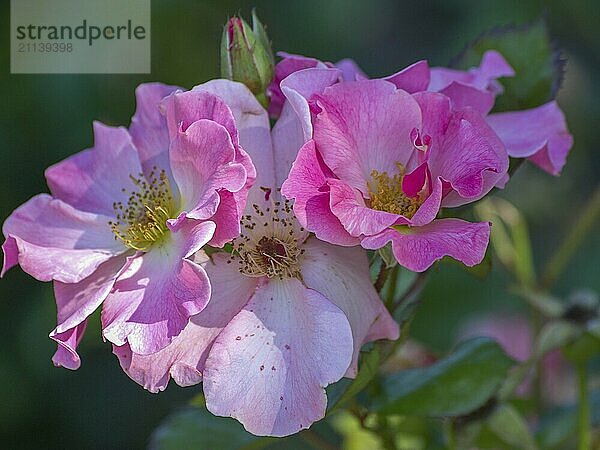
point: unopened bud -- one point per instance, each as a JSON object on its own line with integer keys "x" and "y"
{"x": 246, "y": 55}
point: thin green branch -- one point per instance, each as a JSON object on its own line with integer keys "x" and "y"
{"x": 585, "y": 436}
{"x": 585, "y": 223}
{"x": 414, "y": 288}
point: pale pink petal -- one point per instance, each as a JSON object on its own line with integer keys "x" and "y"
{"x": 365, "y": 126}
{"x": 288, "y": 138}
{"x": 493, "y": 176}
{"x": 540, "y": 134}
{"x": 252, "y": 125}
{"x": 148, "y": 127}
{"x": 76, "y": 301}
{"x": 153, "y": 299}
{"x": 269, "y": 366}
{"x": 417, "y": 248}
{"x": 305, "y": 180}
{"x": 294, "y": 127}
{"x": 288, "y": 65}
{"x": 492, "y": 66}
{"x": 202, "y": 163}
{"x": 58, "y": 242}
{"x": 10, "y": 250}
{"x": 226, "y": 219}
{"x": 342, "y": 276}
{"x": 306, "y": 184}
{"x": 92, "y": 180}
{"x": 66, "y": 354}
{"x": 414, "y": 78}
{"x": 465, "y": 96}
{"x": 350, "y": 70}
{"x": 181, "y": 109}
{"x": 183, "y": 359}
{"x": 357, "y": 218}
{"x": 326, "y": 226}
{"x": 475, "y": 88}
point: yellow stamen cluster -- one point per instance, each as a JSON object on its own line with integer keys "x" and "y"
{"x": 142, "y": 221}
{"x": 386, "y": 194}
{"x": 269, "y": 243}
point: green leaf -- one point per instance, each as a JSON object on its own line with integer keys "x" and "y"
{"x": 354, "y": 435}
{"x": 583, "y": 349}
{"x": 453, "y": 386}
{"x": 510, "y": 237}
{"x": 509, "y": 426}
{"x": 555, "y": 335}
{"x": 196, "y": 428}
{"x": 530, "y": 52}
{"x": 369, "y": 364}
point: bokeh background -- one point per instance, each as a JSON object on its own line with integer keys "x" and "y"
{"x": 45, "y": 118}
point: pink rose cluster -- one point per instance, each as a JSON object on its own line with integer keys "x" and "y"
{"x": 138, "y": 224}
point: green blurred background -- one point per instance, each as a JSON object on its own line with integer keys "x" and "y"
{"x": 45, "y": 118}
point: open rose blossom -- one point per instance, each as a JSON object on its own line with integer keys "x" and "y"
{"x": 125, "y": 215}
{"x": 288, "y": 313}
{"x": 539, "y": 134}
{"x": 382, "y": 162}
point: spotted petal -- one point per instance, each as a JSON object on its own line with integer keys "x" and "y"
{"x": 342, "y": 276}
{"x": 269, "y": 366}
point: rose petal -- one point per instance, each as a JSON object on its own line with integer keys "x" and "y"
{"x": 92, "y": 180}
{"x": 153, "y": 299}
{"x": 183, "y": 359}
{"x": 58, "y": 242}
{"x": 417, "y": 248}
{"x": 342, "y": 276}
{"x": 540, "y": 134}
{"x": 365, "y": 126}
{"x": 269, "y": 366}
{"x": 148, "y": 127}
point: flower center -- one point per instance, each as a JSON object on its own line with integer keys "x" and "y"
{"x": 270, "y": 241}
{"x": 386, "y": 194}
{"x": 142, "y": 221}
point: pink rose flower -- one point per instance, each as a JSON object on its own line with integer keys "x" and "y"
{"x": 124, "y": 217}
{"x": 288, "y": 313}
{"x": 382, "y": 162}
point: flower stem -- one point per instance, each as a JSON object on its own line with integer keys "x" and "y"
{"x": 416, "y": 285}
{"x": 449, "y": 434}
{"x": 381, "y": 276}
{"x": 585, "y": 223}
{"x": 585, "y": 438}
